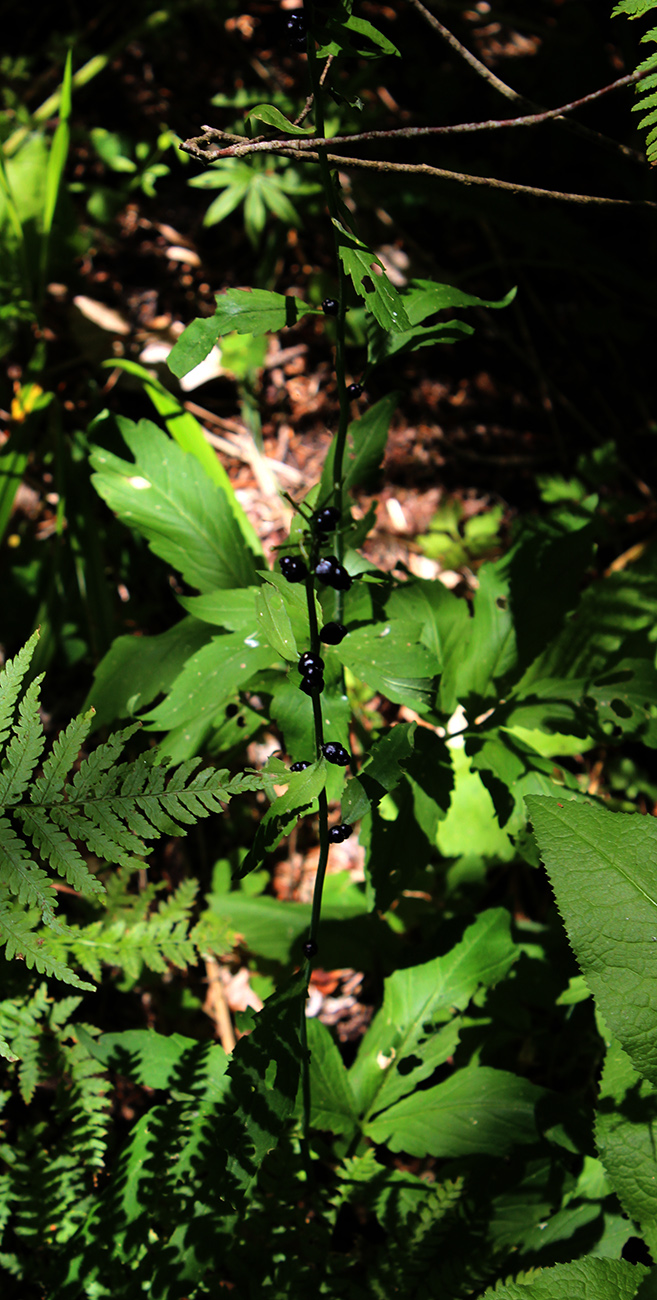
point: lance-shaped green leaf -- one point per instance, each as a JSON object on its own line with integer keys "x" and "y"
{"x": 355, "y": 36}
{"x": 274, "y": 622}
{"x": 588, "y": 1279}
{"x": 249, "y": 311}
{"x": 603, "y": 869}
{"x": 478, "y": 1111}
{"x": 370, "y": 280}
{"x": 273, "y": 117}
{"x": 625, "y": 1137}
{"x": 422, "y": 300}
{"x": 402, "y": 1047}
{"x": 185, "y": 517}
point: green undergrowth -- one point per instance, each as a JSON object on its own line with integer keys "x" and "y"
{"x": 469, "y": 1110}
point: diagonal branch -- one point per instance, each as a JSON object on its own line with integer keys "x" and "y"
{"x": 488, "y": 75}
{"x": 475, "y": 63}
{"x": 286, "y": 150}
{"x": 307, "y": 143}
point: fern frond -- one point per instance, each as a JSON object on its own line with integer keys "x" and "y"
{"x": 113, "y": 807}
{"x": 56, "y": 848}
{"x": 647, "y": 101}
{"x": 20, "y": 1023}
{"x": 21, "y": 876}
{"x": 17, "y": 934}
{"x": 131, "y": 942}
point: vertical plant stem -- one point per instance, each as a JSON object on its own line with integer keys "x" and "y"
{"x": 331, "y": 195}
{"x": 330, "y": 192}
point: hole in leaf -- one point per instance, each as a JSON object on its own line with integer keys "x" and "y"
{"x": 621, "y": 709}
{"x": 408, "y": 1064}
{"x": 501, "y": 602}
{"x": 368, "y": 284}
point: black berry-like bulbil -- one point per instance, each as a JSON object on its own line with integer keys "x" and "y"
{"x": 312, "y": 683}
{"x": 330, "y": 306}
{"x": 309, "y": 948}
{"x": 300, "y": 766}
{"x": 332, "y": 574}
{"x": 338, "y": 834}
{"x": 293, "y": 568}
{"x": 333, "y": 633}
{"x": 296, "y": 28}
{"x": 335, "y": 753}
{"x": 327, "y": 519}
{"x": 354, "y": 391}
{"x": 310, "y": 661}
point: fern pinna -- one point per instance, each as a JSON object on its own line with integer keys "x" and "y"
{"x": 113, "y": 807}
{"x": 647, "y": 86}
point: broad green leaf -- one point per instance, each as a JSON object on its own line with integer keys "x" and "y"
{"x": 284, "y": 812}
{"x": 270, "y": 927}
{"x": 490, "y": 653}
{"x": 210, "y": 678}
{"x": 446, "y": 628}
{"x": 560, "y": 549}
{"x": 471, "y": 828}
{"x": 603, "y": 869}
{"x": 296, "y": 603}
{"x": 402, "y": 1045}
{"x": 249, "y": 311}
{"x": 333, "y": 1105}
{"x": 154, "y": 1060}
{"x": 188, "y": 433}
{"x": 136, "y": 669}
{"x": 365, "y": 446}
{"x": 391, "y": 659}
{"x": 611, "y": 610}
{"x": 626, "y": 1117}
{"x": 511, "y": 769}
{"x": 290, "y": 709}
{"x": 273, "y": 117}
{"x": 167, "y": 496}
{"x": 380, "y": 773}
{"x": 478, "y": 1111}
{"x": 626, "y": 700}
{"x": 422, "y": 299}
{"x": 274, "y": 622}
{"x": 355, "y": 36}
{"x": 584, "y": 1279}
{"x": 232, "y": 609}
{"x": 370, "y": 280}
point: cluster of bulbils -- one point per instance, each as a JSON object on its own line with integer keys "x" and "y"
{"x": 311, "y": 666}
{"x": 331, "y": 573}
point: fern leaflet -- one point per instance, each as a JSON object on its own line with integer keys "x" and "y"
{"x": 647, "y": 86}
{"x": 112, "y": 807}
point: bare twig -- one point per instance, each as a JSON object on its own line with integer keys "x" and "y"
{"x": 475, "y": 63}
{"x": 244, "y": 147}
{"x": 216, "y": 1006}
{"x": 508, "y": 91}
{"x": 287, "y": 150}
{"x": 311, "y": 98}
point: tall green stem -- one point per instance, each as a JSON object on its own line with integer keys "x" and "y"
{"x": 330, "y": 193}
